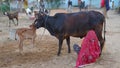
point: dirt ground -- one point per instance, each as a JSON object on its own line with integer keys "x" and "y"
{"x": 44, "y": 53}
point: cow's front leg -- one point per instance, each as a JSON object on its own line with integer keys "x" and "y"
{"x": 68, "y": 43}
{"x": 60, "y": 46}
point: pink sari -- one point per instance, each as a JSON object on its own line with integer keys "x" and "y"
{"x": 90, "y": 50}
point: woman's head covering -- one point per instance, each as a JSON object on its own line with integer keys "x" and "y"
{"x": 90, "y": 50}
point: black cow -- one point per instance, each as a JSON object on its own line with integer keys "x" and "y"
{"x": 64, "y": 25}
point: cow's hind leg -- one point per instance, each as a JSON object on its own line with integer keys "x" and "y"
{"x": 100, "y": 38}
{"x": 102, "y": 41}
{"x": 68, "y": 43}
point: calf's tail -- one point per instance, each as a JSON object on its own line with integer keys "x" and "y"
{"x": 15, "y": 35}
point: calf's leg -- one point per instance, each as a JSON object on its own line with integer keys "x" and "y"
{"x": 21, "y": 46}
{"x": 13, "y": 22}
{"x": 33, "y": 41}
{"x": 9, "y": 24}
{"x": 17, "y": 21}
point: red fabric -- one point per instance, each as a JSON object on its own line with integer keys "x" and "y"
{"x": 102, "y": 3}
{"x": 90, "y": 49}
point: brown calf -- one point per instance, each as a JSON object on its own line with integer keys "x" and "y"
{"x": 26, "y": 33}
{"x": 11, "y": 16}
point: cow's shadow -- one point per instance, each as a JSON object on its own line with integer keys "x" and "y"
{"x": 44, "y": 50}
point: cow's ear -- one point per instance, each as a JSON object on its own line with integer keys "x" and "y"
{"x": 55, "y": 16}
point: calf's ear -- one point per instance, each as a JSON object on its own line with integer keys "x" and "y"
{"x": 30, "y": 25}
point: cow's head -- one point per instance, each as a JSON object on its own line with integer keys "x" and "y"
{"x": 40, "y": 20}
{"x": 5, "y": 13}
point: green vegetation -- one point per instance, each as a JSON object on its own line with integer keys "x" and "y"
{"x": 53, "y": 4}
{"x": 4, "y": 6}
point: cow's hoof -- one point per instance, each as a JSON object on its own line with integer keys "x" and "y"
{"x": 58, "y": 54}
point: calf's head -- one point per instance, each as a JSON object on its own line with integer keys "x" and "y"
{"x": 32, "y": 26}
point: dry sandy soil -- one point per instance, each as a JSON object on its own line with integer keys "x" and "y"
{"x": 44, "y": 54}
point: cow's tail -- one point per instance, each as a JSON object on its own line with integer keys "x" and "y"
{"x": 104, "y": 28}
